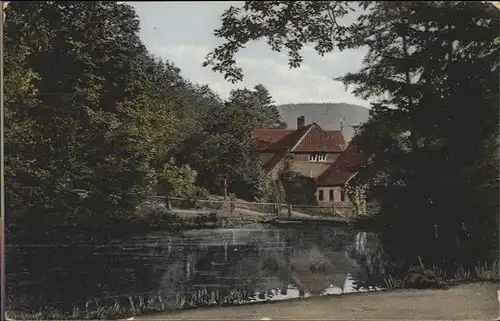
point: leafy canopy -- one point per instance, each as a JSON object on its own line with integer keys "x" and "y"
{"x": 431, "y": 71}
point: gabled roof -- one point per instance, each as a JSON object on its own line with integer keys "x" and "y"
{"x": 338, "y": 136}
{"x": 310, "y": 138}
{"x": 265, "y": 137}
{"x": 346, "y": 165}
{"x": 351, "y": 158}
{"x": 291, "y": 140}
{"x": 307, "y": 139}
{"x": 318, "y": 140}
{"x": 334, "y": 176}
{"x": 275, "y": 160}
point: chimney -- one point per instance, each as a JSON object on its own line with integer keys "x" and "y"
{"x": 301, "y": 122}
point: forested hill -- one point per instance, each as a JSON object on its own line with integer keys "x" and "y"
{"x": 328, "y": 115}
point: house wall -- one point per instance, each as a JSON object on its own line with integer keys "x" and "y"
{"x": 304, "y": 157}
{"x": 302, "y": 165}
{"x": 310, "y": 169}
{"x": 337, "y": 195}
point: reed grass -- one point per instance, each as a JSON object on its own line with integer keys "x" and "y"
{"x": 140, "y": 305}
{"x": 485, "y": 272}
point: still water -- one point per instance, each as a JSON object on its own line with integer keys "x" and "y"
{"x": 194, "y": 268}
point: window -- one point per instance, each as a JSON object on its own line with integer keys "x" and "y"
{"x": 320, "y": 195}
{"x": 317, "y": 157}
{"x": 342, "y": 195}
{"x": 331, "y": 195}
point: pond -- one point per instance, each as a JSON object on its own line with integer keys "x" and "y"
{"x": 194, "y": 268}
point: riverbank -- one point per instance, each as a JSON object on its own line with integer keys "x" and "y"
{"x": 178, "y": 220}
{"x": 242, "y": 218}
{"x": 475, "y": 301}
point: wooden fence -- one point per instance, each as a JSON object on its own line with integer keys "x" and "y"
{"x": 275, "y": 209}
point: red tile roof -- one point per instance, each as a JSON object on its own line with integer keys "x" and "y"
{"x": 275, "y": 160}
{"x": 265, "y": 137}
{"x": 351, "y": 158}
{"x": 346, "y": 165}
{"x": 310, "y": 138}
{"x": 338, "y": 137}
{"x": 318, "y": 140}
{"x": 334, "y": 176}
{"x": 289, "y": 141}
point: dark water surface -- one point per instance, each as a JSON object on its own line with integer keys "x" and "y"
{"x": 194, "y": 268}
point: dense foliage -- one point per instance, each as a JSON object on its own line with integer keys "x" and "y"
{"x": 431, "y": 71}
{"x": 94, "y": 123}
{"x": 298, "y": 189}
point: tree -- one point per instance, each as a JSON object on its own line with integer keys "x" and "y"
{"x": 225, "y": 156}
{"x": 230, "y": 164}
{"x": 178, "y": 181}
{"x": 298, "y": 189}
{"x": 260, "y": 102}
{"x": 223, "y": 152}
{"x": 427, "y": 64}
{"x": 284, "y": 24}
{"x": 73, "y": 115}
{"x": 89, "y": 110}
{"x": 419, "y": 59}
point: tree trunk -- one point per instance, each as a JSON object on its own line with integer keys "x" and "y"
{"x": 225, "y": 188}
{"x": 232, "y": 206}
{"x": 413, "y": 136}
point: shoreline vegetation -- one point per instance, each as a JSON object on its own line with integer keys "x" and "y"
{"x": 134, "y": 306}
{"x": 213, "y": 213}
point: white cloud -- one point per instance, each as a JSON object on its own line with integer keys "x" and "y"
{"x": 304, "y": 84}
{"x": 182, "y": 33}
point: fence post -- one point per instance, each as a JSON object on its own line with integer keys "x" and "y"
{"x": 289, "y": 210}
{"x": 169, "y": 203}
{"x": 231, "y": 205}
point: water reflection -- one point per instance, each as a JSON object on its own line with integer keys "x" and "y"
{"x": 194, "y": 268}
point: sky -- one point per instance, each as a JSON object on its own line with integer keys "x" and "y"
{"x": 182, "y": 32}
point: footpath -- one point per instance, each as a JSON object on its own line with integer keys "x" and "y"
{"x": 477, "y": 301}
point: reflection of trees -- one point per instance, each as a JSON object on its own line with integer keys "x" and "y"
{"x": 318, "y": 268}
{"x": 161, "y": 267}
{"x": 367, "y": 251}
{"x": 313, "y": 258}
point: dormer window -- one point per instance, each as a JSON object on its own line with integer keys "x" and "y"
{"x": 317, "y": 157}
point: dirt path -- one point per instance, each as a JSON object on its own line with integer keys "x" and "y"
{"x": 465, "y": 302}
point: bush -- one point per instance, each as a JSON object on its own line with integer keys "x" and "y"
{"x": 210, "y": 219}
{"x": 162, "y": 219}
{"x": 420, "y": 278}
